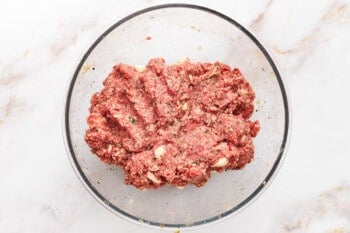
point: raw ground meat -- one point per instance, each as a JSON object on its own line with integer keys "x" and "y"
{"x": 173, "y": 124}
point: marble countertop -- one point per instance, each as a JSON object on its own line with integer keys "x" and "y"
{"x": 41, "y": 43}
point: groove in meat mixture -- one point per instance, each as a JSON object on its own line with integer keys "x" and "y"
{"x": 173, "y": 124}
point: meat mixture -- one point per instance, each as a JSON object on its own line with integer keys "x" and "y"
{"x": 173, "y": 124}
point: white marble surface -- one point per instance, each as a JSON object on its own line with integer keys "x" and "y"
{"x": 41, "y": 43}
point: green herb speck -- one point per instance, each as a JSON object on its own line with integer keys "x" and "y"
{"x": 132, "y": 120}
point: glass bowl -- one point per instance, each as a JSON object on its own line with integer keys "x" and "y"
{"x": 173, "y": 31}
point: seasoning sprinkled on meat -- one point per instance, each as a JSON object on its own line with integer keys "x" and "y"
{"x": 173, "y": 124}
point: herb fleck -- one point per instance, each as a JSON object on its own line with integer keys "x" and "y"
{"x": 132, "y": 120}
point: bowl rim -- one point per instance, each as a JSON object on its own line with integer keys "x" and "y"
{"x": 248, "y": 200}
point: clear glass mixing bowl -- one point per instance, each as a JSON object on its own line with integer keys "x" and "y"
{"x": 174, "y": 31}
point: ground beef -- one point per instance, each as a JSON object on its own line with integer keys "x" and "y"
{"x": 173, "y": 124}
